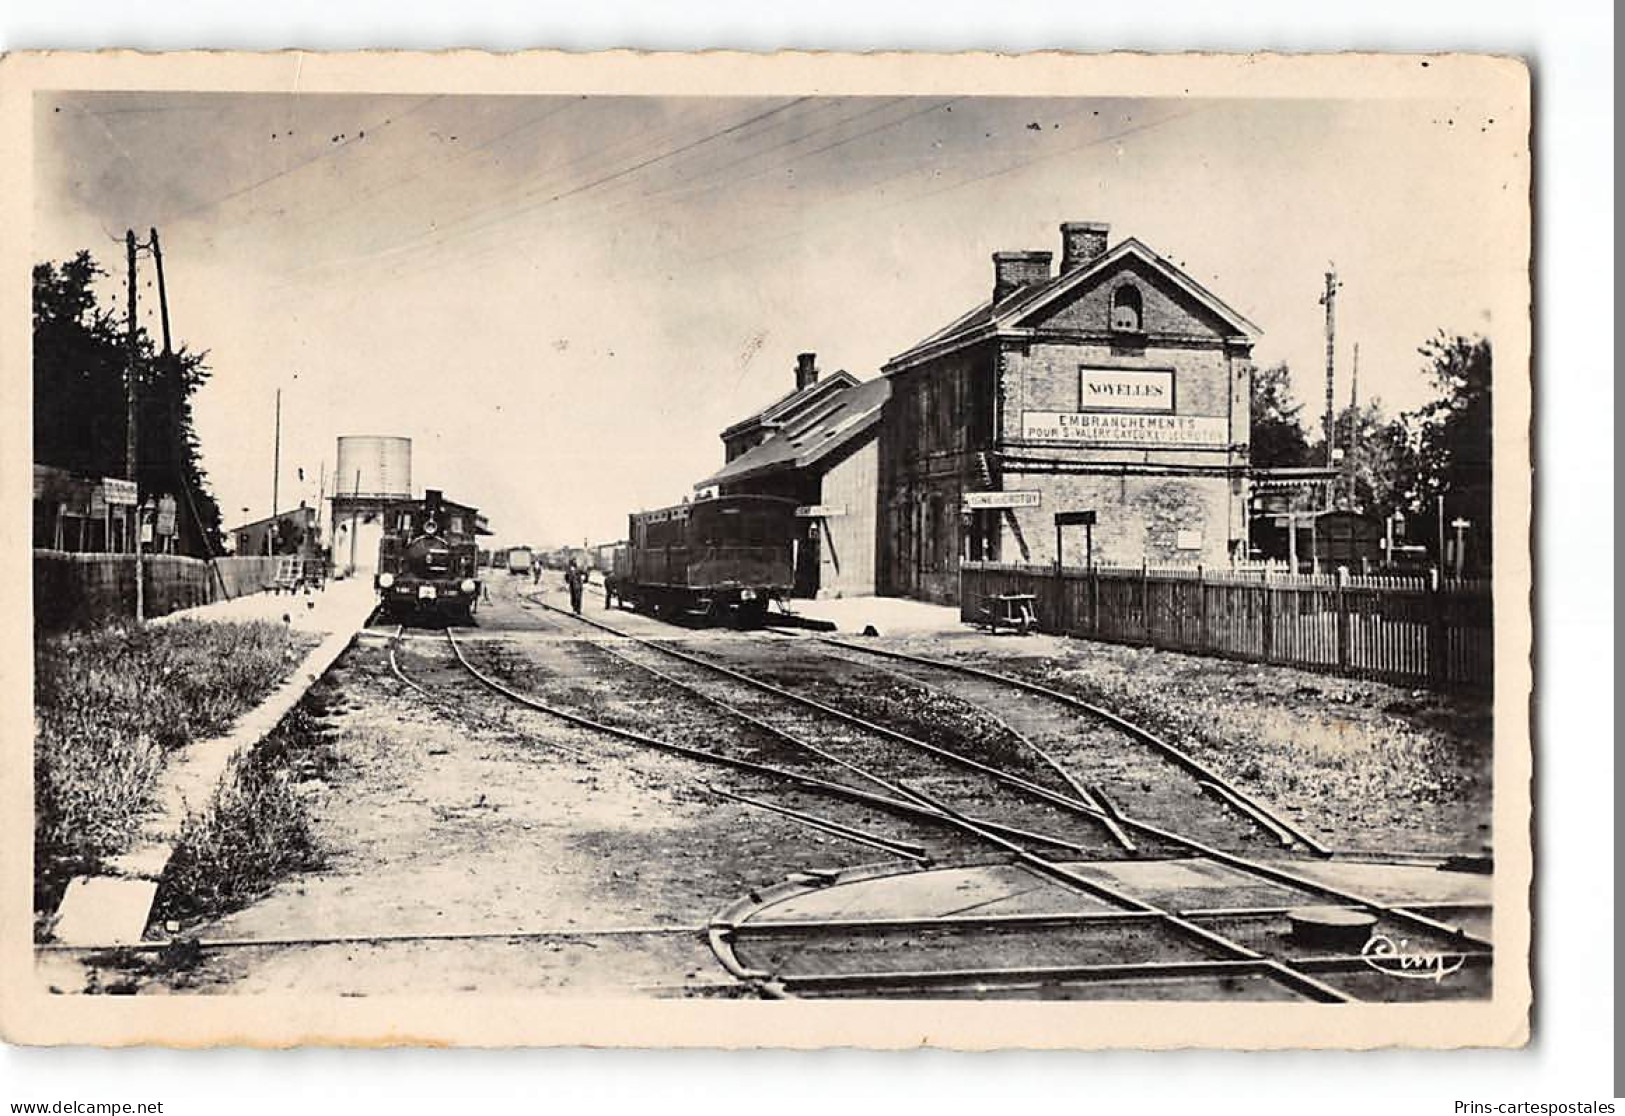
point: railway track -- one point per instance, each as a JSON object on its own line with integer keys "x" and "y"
{"x": 1195, "y": 796}
{"x": 462, "y": 708}
{"x": 1095, "y": 936}
{"x": 1219, "y": 955}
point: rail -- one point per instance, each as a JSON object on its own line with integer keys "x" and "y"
{"x": 1203, "y": 937}
{"x": 1246, "y": 865}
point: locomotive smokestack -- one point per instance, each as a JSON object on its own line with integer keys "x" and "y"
{"x": 806, "y": 370}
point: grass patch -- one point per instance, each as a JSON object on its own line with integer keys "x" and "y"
{"x": 110, "y": 704}
{"x": 255, "y": 829}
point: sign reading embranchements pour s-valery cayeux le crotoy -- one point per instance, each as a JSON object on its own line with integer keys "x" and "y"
{"x": 1138, "y": 430}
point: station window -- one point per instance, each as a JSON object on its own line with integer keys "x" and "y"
{"x": 1126, "y": 309}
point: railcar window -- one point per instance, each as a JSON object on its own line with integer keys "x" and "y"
{"x": 455, "y": 525}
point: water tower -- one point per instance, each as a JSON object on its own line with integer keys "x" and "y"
{"x": 373, "y": 470}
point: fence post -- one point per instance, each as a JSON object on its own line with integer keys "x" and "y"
{"x": 1094, "y": 601}
{"x": 1267, "y": 642}
{"x": 1201, "y": 607}
{"x": 1145, "y": 597}
{"x": 1438, "y": 655}
{"x": 1063, "y": 610}
{"x": 1341, "y": 612}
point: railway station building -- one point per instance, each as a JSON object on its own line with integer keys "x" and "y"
{"x": 817, "y": 446}
{"x": 295, "y": 531}
{"x": 1114, "y": 384}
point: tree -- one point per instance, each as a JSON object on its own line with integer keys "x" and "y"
{"x": 80, "y": 362}
{"x": 1377, "y": 474}
{"x": 79, "y": 367}
{"x": 1455, "y": 436}
{"x": 1278, "y": 438}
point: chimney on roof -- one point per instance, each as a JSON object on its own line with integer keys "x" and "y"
{"x": 1015, "y": 270}
{"x": 1082, "y": 242}
{"x": 806, "y": 370}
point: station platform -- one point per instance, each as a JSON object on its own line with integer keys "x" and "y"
{"x": 887, "y": 615}
{"x": 342, "y": 606}
{"x": 113, "y": 907}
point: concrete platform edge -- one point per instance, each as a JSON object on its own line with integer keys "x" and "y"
{"x": 148, "y": 860}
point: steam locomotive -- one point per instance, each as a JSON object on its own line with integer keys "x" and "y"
{"x": 427, "y": 559}
{"x": 721, "y": 559}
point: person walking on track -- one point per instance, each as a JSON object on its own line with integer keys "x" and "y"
{"x": 576, "y": 581}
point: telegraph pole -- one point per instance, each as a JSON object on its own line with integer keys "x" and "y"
{"x": 1329, "y": 300}
{"x": 1354, "y": 422}
{"x": 1354, "y": 379}
{"x": 276, "y": 454}
{"x": 132, "y": 391}
{"x": 181, "y": 476}
{"x": 163, "y": 295}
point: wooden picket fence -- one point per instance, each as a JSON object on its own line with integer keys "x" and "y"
{"x": 1405, "y": 632}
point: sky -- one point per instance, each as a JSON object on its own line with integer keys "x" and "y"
{"x": 562, "y": 300}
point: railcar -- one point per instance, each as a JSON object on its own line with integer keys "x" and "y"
{"x": 520, "y": 559}
{"x": 602, "y": 557}
{"x": 428, "y": 564}
{"x": 721, "y": 560}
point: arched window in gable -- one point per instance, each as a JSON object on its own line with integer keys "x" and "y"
{"x": 1126, "y": 309}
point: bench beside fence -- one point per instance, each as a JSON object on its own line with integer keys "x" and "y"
{"x": 1393, "y": 630}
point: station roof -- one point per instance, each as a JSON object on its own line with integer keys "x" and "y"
{"x": 813, "y": 435}
{"x": 989, "y": 319}
{"x": 1295, "y": 476}
{"x": 308, "y": 514}
{"x": 786, "y": 408}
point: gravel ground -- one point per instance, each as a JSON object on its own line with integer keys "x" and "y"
{"x": 466, "y": 819}
{"x": 956, "y": 712}
{"x": 1366, "y": 766}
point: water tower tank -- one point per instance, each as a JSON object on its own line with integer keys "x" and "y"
{"x": 374, "y": 465}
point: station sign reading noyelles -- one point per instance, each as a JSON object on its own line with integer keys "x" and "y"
{"x": 1131, "y": 430}
{"x": 1122, "y": 389}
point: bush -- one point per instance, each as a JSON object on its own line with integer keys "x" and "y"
{"x": 110, "y": 704}
{"x": 254, "y": 830}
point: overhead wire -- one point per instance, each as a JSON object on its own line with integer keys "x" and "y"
{"x": 706, "y": 180}
{"x": 455, "y": 229}
{"x": 333, "y": 149}
{"x": 437, "y": 165}
{"x": 756, "y": 243}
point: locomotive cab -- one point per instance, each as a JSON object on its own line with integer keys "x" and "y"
{"x": 428, "y": 563}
